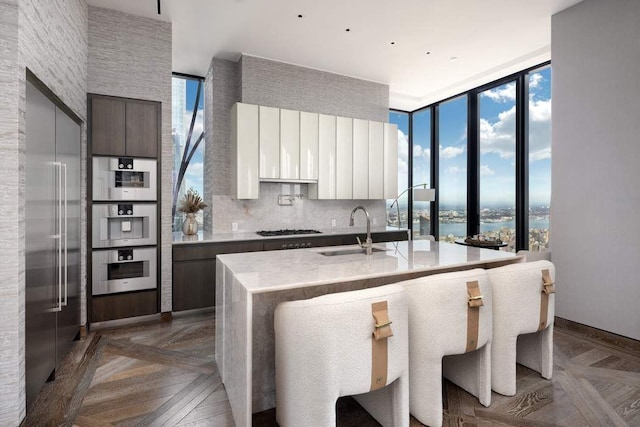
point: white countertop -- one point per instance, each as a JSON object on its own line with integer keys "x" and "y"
{"x": 204, "y": 237}
{"x": 279, "y": 270}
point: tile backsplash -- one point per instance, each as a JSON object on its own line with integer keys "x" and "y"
{"x": 266, "y": 214}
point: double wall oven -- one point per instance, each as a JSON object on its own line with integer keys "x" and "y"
{"x": 124, "y": 225}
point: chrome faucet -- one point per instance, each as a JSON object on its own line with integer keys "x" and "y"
{"x": 367, "y": 245}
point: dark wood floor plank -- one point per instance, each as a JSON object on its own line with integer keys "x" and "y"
{"x": 573, "y": 387}
{"x": 59, "y": 401}
{"x": 190, "y": 402}
{"x": 164, "y": 412}
{"x": 128, "y": 386}
{"x": 602, "y": 374}
{"x": 162, "y": 356}
{"x": 104, "y": 405}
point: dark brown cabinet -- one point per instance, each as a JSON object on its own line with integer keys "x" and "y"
{"x": 124, "y": 127}
{"x": 194, "y": 271}
{"x": 194, "y": 264}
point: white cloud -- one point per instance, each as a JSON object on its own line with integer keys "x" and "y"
{"x": 535, "y": 80}
{"x": 499, "y": 137}
{"x": 502, "y": 93}
{"x": 418, "y": 151}
{"x": 403, "y": 153}
{"x": 485, "y": 170}
{"x": 450, "y": 152}
{"x": 455, "y": 170}
{"x": 539, "y": 130}
{"x": 195, "y": 169}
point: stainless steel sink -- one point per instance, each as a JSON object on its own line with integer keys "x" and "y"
{"x": 350, "y": 251}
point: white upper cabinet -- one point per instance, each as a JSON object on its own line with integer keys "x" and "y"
{"x": 309, "y": 145}
{"x": 390, "y": 161}
{"x": 376, "y": 160}
{"x": 269, "y": 142}
{"x": 289, "y": 144}
{"x": 326, "y": 187}
{"x": 244, "y": 151}
{"x": 360, "y": 159}
{"x": 344, "y": 158}
{"x": 339, "y": 157}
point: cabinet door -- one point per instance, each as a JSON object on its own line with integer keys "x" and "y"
{"x": 326, "y": 157}
{"x": 390, "y": 161}
{"x": 269, "y": 142}
{"x": 376, "y": 154}
{"x": 244, "y": 151}
{"x": 360, "y": 159}
{"x": 107, "y": 126}
{"x": 309, "y": 145}
{"x": 289, "y": 144}
{"x": 344, "y": 158}
{"x": 142, "y": 129}
{"x": 194, "y": 284}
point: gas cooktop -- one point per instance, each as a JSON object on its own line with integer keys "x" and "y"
{"x": 286, "y": 232}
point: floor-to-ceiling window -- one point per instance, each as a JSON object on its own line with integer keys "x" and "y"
{"x": 187, "y": 114}
{"x": 401, "y": 119}
{"x": 421, "y": 156}
{"x": 497, "y": 137}
{"x": 539, "y": 157}
{"x": 452, "y": 181}
{"x": 488, "y": 154}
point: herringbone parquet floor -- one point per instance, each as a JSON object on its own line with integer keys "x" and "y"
{"x": 165, "y": 374}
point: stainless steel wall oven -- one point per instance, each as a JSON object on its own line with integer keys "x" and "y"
{"x": 124, "y": 224}
{"x": 123, "y": 270}
{"x": 124, "y": 178}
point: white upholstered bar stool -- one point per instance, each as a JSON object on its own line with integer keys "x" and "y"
{"x": 523, "y": 312}
{"x": 325, "y": 349}
{"x": 445, "y": 319}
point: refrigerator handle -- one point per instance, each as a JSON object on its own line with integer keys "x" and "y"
{"x": 65, "y": 235}
{"x": 58, "y": 234}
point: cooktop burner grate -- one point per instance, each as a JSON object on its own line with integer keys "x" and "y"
{"x": 286, "y": 232}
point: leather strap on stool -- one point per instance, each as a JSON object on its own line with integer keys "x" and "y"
{"x": 381, "y": 332}
{"x": 473, "y": 315}
{"x": 547, "y": 289}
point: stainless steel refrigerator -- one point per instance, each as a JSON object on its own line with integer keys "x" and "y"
{"x": 52, "y": 248}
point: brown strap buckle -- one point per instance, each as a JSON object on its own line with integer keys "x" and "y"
{"x": 473, "y": 315}
{"x": 383, "y": 324}
{"x": 547, "y": 289}
{"x": 381, "y": 332}
{"x": 475, "y": 297}
{"x": 547, "y": 284}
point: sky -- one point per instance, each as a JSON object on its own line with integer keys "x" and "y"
{"x": 193, "y": 176}
{"x": 497, "y": 146}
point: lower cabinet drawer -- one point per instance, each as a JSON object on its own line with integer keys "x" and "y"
{"x": 194, "y": 284}
{"x": 120, "y": 306}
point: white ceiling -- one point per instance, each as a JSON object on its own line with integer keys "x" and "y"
{"x": 489, "y": 38}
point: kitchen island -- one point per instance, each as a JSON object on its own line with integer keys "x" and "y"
{"x": 250, "y": 285}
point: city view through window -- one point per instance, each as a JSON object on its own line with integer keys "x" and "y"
{"x": 188, "y": 141}
{"x": 497, "y": 150}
